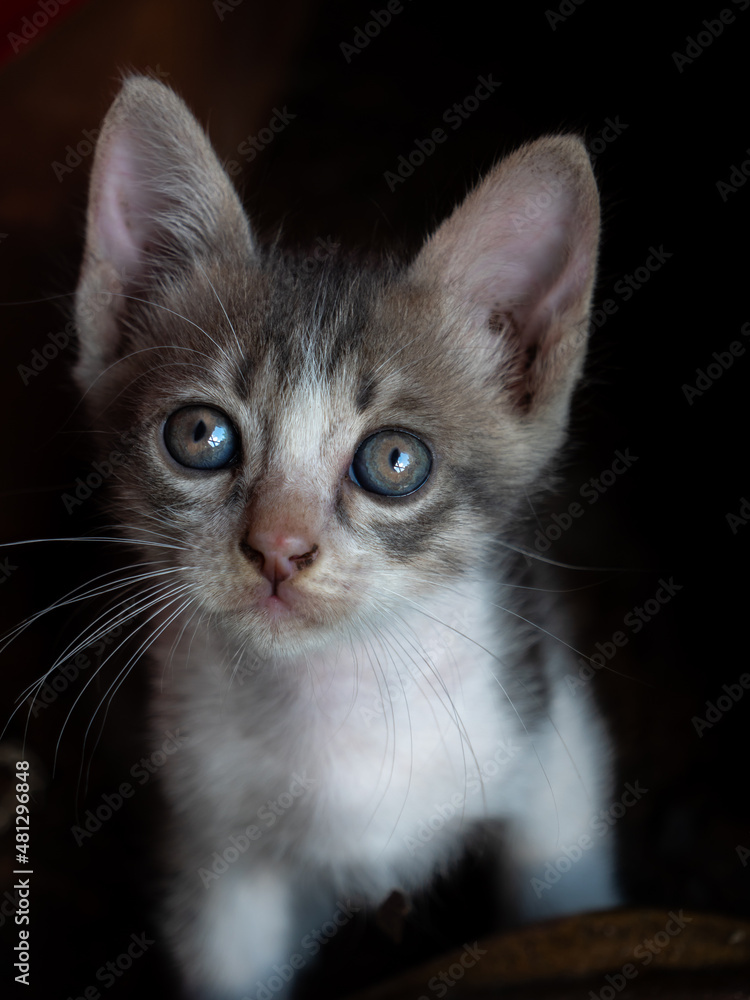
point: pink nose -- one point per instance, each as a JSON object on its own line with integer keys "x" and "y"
{"x": 279, "y": 555}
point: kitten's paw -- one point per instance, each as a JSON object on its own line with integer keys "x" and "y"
{"x": 237, "y": 939}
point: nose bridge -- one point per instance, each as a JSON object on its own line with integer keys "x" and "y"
{"x": 288, "y": 506}
{"x": 280, "y": 506}
{"x": 295, "y": 486}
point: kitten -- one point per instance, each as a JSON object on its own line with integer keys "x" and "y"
{"x": 325, "y": 467}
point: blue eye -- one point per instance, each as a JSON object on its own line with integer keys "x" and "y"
{"x": 200, "y": 437}
{"x": 391, "y": 463}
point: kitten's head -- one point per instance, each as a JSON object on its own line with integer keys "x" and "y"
{"x": 323, "y": 445}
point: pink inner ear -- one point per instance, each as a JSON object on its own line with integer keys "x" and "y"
{"x": 527, "y": 268}
{"x": 121, "y": 208}
{"x": 523, "y": 244}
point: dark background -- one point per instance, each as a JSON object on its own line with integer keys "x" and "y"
{"x": 686, "y": 129}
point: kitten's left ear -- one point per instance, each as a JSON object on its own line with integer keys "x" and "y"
{"x": 519, "y": 258}
{"x": 159, "y": 200}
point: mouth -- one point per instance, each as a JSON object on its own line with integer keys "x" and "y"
{"x": 275, "y": 607}
{"x": 279, "y": 602}
{"x": 278, "y": 619}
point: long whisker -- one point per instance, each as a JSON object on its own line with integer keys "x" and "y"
{"x": 172, "y": 596}
{"x": 226, "y": 316}
{"x": 378, "y": 672}
{"x": 73, "y": 597}
{"x": 441, "y": 689}
{"x": 91, "y": 538}
{"x": 96, "y": 633}
{"x": 117, "y": 683}
{"x": 157, "y": 305}
{"x": 546, "y": 632}
{"x": 150, "y": 371}
{"x": 505, "y": 693}
{"x": 554, "y": 562}
{"x": 169, "y": 660}
{"x": 131, "y": 610}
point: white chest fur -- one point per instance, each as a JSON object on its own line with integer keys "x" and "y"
{"x": 374, "y": 758}
{"x": 360, "y": 769}
{"x": 382, "y": 732}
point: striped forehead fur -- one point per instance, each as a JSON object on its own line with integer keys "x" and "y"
{"x": 254, "y": 336}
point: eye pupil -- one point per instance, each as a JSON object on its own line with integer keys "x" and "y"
{"x": 391, "y": 463}
{"x": 200, "y": 437}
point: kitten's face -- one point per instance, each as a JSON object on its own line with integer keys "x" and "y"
{"x": 319, "y": 451}
{"x": 310, "y": 369}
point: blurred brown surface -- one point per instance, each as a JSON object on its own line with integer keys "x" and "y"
{"x": 623, "y": 953}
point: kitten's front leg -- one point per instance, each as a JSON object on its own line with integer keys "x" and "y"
{"x": 553, "y": 877}
{"x": 562, "y": 856}
{"x": 228, "y": 934}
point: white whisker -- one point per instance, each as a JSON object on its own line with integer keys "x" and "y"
{"x": 124, "y": 672}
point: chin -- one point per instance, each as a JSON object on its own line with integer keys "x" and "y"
{"x": 272, "y": 629}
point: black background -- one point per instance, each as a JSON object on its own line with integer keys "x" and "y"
{"x": 665, "y": 518}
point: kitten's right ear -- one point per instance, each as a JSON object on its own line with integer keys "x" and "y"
{"x": 158, "y": 200}
{"x": 519, "y": 256}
